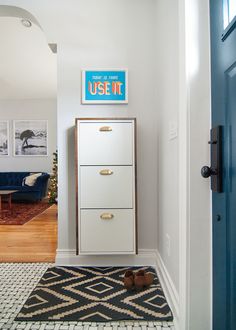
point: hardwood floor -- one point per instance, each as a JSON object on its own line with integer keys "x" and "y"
{"x": 35, "y": 241}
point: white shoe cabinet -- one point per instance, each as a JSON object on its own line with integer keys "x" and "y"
{"x": 106, "y": 200}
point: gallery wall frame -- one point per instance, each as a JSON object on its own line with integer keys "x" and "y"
{"x": 30, "y": 137}
{"x": 104, "y": 86}
{"x": 4, "y": 138}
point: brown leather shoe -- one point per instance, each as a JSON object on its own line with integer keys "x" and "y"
{"x": 129, "y": 279}
{"x": 149, "y": 278}
{"x": 139, "y": 280}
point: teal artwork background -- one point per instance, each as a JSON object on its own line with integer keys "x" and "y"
{"x": 105, "y": 85}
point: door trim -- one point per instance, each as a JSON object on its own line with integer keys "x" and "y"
{"x": 191, "y": 90}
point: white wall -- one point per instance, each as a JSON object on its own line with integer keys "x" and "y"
{"x": 113, "y": 34}
{"x": 124, "y": 34}
{"x": 30, "y": 109}
{"x": 183, "y": 95}
{"x": 167, "y": 104}
{"x": 199, "y": 108}
{"x": 108, "y": 43}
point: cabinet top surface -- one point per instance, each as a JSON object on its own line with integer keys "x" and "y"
{"x": 106, "y": 119}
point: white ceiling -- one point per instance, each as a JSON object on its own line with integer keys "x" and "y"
{"x": 28, "y": 68}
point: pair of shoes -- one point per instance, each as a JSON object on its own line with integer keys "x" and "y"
{"x": 138, "y": 280}
{"x": 142, "y": 279}
{"x": 129, "y": 280}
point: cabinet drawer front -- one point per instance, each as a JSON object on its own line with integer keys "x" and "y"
{"x": 106, "y": 143}
{"x": 106, "y": 231}
{"x": 106, "y": 186}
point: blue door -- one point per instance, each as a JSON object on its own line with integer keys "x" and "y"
{"x": 223, "y": 68}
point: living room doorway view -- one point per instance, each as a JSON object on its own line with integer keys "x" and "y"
{"x": 28, "y": 143}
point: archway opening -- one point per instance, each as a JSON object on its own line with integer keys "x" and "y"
{"x": 28, "y": 140}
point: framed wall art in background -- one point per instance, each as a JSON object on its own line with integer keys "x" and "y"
{"x": 30, "y": 137}
{"x": 4, "y": 138}
{"x": 105, "y": 86}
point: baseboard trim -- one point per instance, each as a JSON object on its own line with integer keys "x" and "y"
{"x": 145, "y": 257}
{"x": 168, "y": 286}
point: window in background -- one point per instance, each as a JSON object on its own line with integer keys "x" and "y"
{"x": 229, "y": 11}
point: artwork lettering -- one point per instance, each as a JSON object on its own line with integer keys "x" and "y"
{"x": 99, "y": 86}
{"x": 30, "y": 138}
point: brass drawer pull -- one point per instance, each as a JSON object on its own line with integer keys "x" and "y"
{"x": 105, "y": 129}
{"x": 106, "y": 216}
{"x": 106, "y": 172}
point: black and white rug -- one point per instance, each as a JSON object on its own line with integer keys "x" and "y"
{"x": 93, "y": 294}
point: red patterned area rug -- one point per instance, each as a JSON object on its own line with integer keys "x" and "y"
{"x": 21, "y": 212}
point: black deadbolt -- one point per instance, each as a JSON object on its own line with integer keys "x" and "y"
{"x": 207, "y": 171}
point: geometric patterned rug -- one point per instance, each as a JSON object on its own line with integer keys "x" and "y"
{"x": 22, "y": 212}
{"x": 93, "y": 294}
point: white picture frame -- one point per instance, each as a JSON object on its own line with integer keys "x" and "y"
{"x": 30, "y": 138}
{"x": 4, "y": 138}
{"x": 110, "y": 76}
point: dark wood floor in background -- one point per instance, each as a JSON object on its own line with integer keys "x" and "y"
{"x": 35, "y": 241}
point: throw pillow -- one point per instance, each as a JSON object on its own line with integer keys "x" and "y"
{"x": 30, "y": 179}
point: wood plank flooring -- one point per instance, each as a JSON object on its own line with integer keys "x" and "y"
{"x": 35, "y": 241}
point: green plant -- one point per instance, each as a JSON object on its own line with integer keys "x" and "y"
{"x": 52, "y": 190}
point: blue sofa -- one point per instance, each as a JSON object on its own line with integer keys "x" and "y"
{"x": 14, "y": 181}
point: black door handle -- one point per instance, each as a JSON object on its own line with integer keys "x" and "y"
{"x": 215, "y": 170}
{"x": 207, "y": 171}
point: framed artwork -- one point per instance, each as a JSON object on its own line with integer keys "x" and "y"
{"x": 30, "y": 137}
{"x": 105, "y": 86}
{"x": 4, "y": 138}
